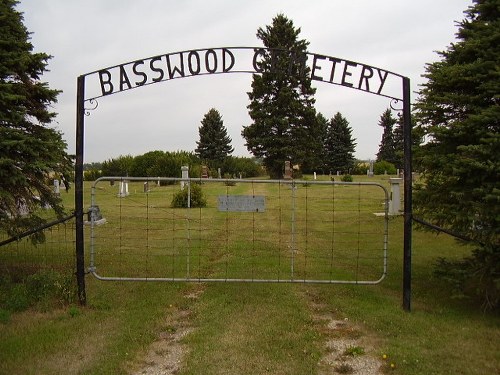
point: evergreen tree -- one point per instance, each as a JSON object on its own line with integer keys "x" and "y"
{"x": 31, "y": 153}
{"x": 459, "y": 110}
{"x": 339, "y": 145}
{"x": 398, "y": 139}
{"x": 387, "y": 147}
{"x": 281, "y": 101}
{"x": 214, "y": 144}
{"x": 314, "y": 160}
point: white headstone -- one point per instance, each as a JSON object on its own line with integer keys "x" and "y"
{"x": 123, "y": 192}
{"x": 56, "y": 187}
{"x": 185, "y": 175}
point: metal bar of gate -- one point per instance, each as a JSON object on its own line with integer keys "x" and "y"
{"x": 291, "y": 279}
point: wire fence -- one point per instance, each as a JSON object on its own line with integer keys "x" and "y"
{"x": 247, "y": 230}
{"x": 20, "y": 257}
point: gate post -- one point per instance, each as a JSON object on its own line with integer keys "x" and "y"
{"x": 407, "y": 196}
{"x": 79, "y": 237}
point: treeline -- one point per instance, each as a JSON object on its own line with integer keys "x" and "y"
{"x": 168, "y": 164}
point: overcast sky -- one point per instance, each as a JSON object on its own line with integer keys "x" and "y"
{"x": 87, "y": 35}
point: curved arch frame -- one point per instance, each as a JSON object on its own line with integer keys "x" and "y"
{"x": 226, "y": 60}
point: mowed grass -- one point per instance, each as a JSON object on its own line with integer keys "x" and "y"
{"x": 244, "y": 328}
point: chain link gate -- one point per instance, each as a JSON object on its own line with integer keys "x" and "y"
{"x": 274, "y": 231}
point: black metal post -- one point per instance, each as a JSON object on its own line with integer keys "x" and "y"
{"x": 80, "y": 249}
{"x": 407, "y": 195}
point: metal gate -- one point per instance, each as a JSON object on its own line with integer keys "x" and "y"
{"x": 275, "y": 231}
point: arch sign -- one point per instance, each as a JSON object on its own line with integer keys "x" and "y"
{"x": 227, "y": 60}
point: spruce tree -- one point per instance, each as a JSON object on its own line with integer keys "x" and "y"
{"x": 459, "y": 111}
{"x": 339, "y": 145}
{"x": 32, "y": 153}
{"x": 281, "y": 101}
{"x": 214, "y": 144}
{"x": 387, "y": 147}
{"x": 314, "y": 160}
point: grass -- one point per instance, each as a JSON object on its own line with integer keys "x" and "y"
{"x": 245, "y": 328}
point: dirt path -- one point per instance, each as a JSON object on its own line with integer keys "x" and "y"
{"x": 347, "y": 349}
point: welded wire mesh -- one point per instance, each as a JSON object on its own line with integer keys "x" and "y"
{"x": 56, "y": 252}
{"x": 249, "y": 230}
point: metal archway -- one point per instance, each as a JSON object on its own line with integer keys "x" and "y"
{"x": 224, "y": 60}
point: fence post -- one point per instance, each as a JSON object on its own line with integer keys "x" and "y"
{"x": 407, "y": 196}
{"x": 79, "y": 237}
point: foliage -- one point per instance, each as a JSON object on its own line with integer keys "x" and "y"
{"x": 281, "y": 101}
{"x": 347, "y": 178}
{"x": 31, "y": 153}
{"x": 196, "y": 199}
{"x": 476, "y": 276}
{"x": 214, "y": 145}
{"x": 387, "y": 147}
{"x": 459, "y": 111}
{"x": 316, "y": 155}
{"x": 119, "y": 167}
{"x": 360, "y": 167}
{"x": 384, "y": 167}
{"x": 339, "y": 145}
{"x": 42, "y": 289}
{"x": 248, "y": 167}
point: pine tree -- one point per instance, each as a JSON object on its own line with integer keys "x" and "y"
{"x": 214, "y": 144}
{"x": 387, "y": 147}
{"x": 314, "y": 160}
{"x": 31, "y": 153}
{"x": 339, "y": 145}
{"x": 281, "y": 101}
{"x": 459, "y": 110}
{"x": 398, "y": 139}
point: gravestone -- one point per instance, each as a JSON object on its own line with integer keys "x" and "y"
{"x": 123, "y": 192}
{"x": 185, "y": 175}
{"x": 204, "y": 171}
{"x": 56, "y": 187}
{"x": 370, "y": 171}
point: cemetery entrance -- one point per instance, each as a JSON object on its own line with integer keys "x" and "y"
{"x": 296, "y": 246}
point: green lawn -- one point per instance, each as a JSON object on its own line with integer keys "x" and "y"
{"x": 246, "y": 328}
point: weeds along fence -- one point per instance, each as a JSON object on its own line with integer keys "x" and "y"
{"x": 238, "y": 230}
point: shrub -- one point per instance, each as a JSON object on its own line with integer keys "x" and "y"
{"x": 476, "y": 276}
{"x": 384, "y": 167}
{"x": 347, "y": 178}
{"x": 197, "y": 198}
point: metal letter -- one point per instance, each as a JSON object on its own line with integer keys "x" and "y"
{"x": 346, "y": 73}
{"x": 155, "y": 69}
{"x": 106, "y": 82}
{"x": 190, "y": 64}
{"x": 227, "y": 52}
{"x": 209, "y": 53}
{"x": 316, "y": 67}
{"x": 138, "y": 73}
{"x": 124, "y": 78}
{"x": 382, "y": 79}
{"x": 334, "y": 62}
{"x": 365, "y": 77}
